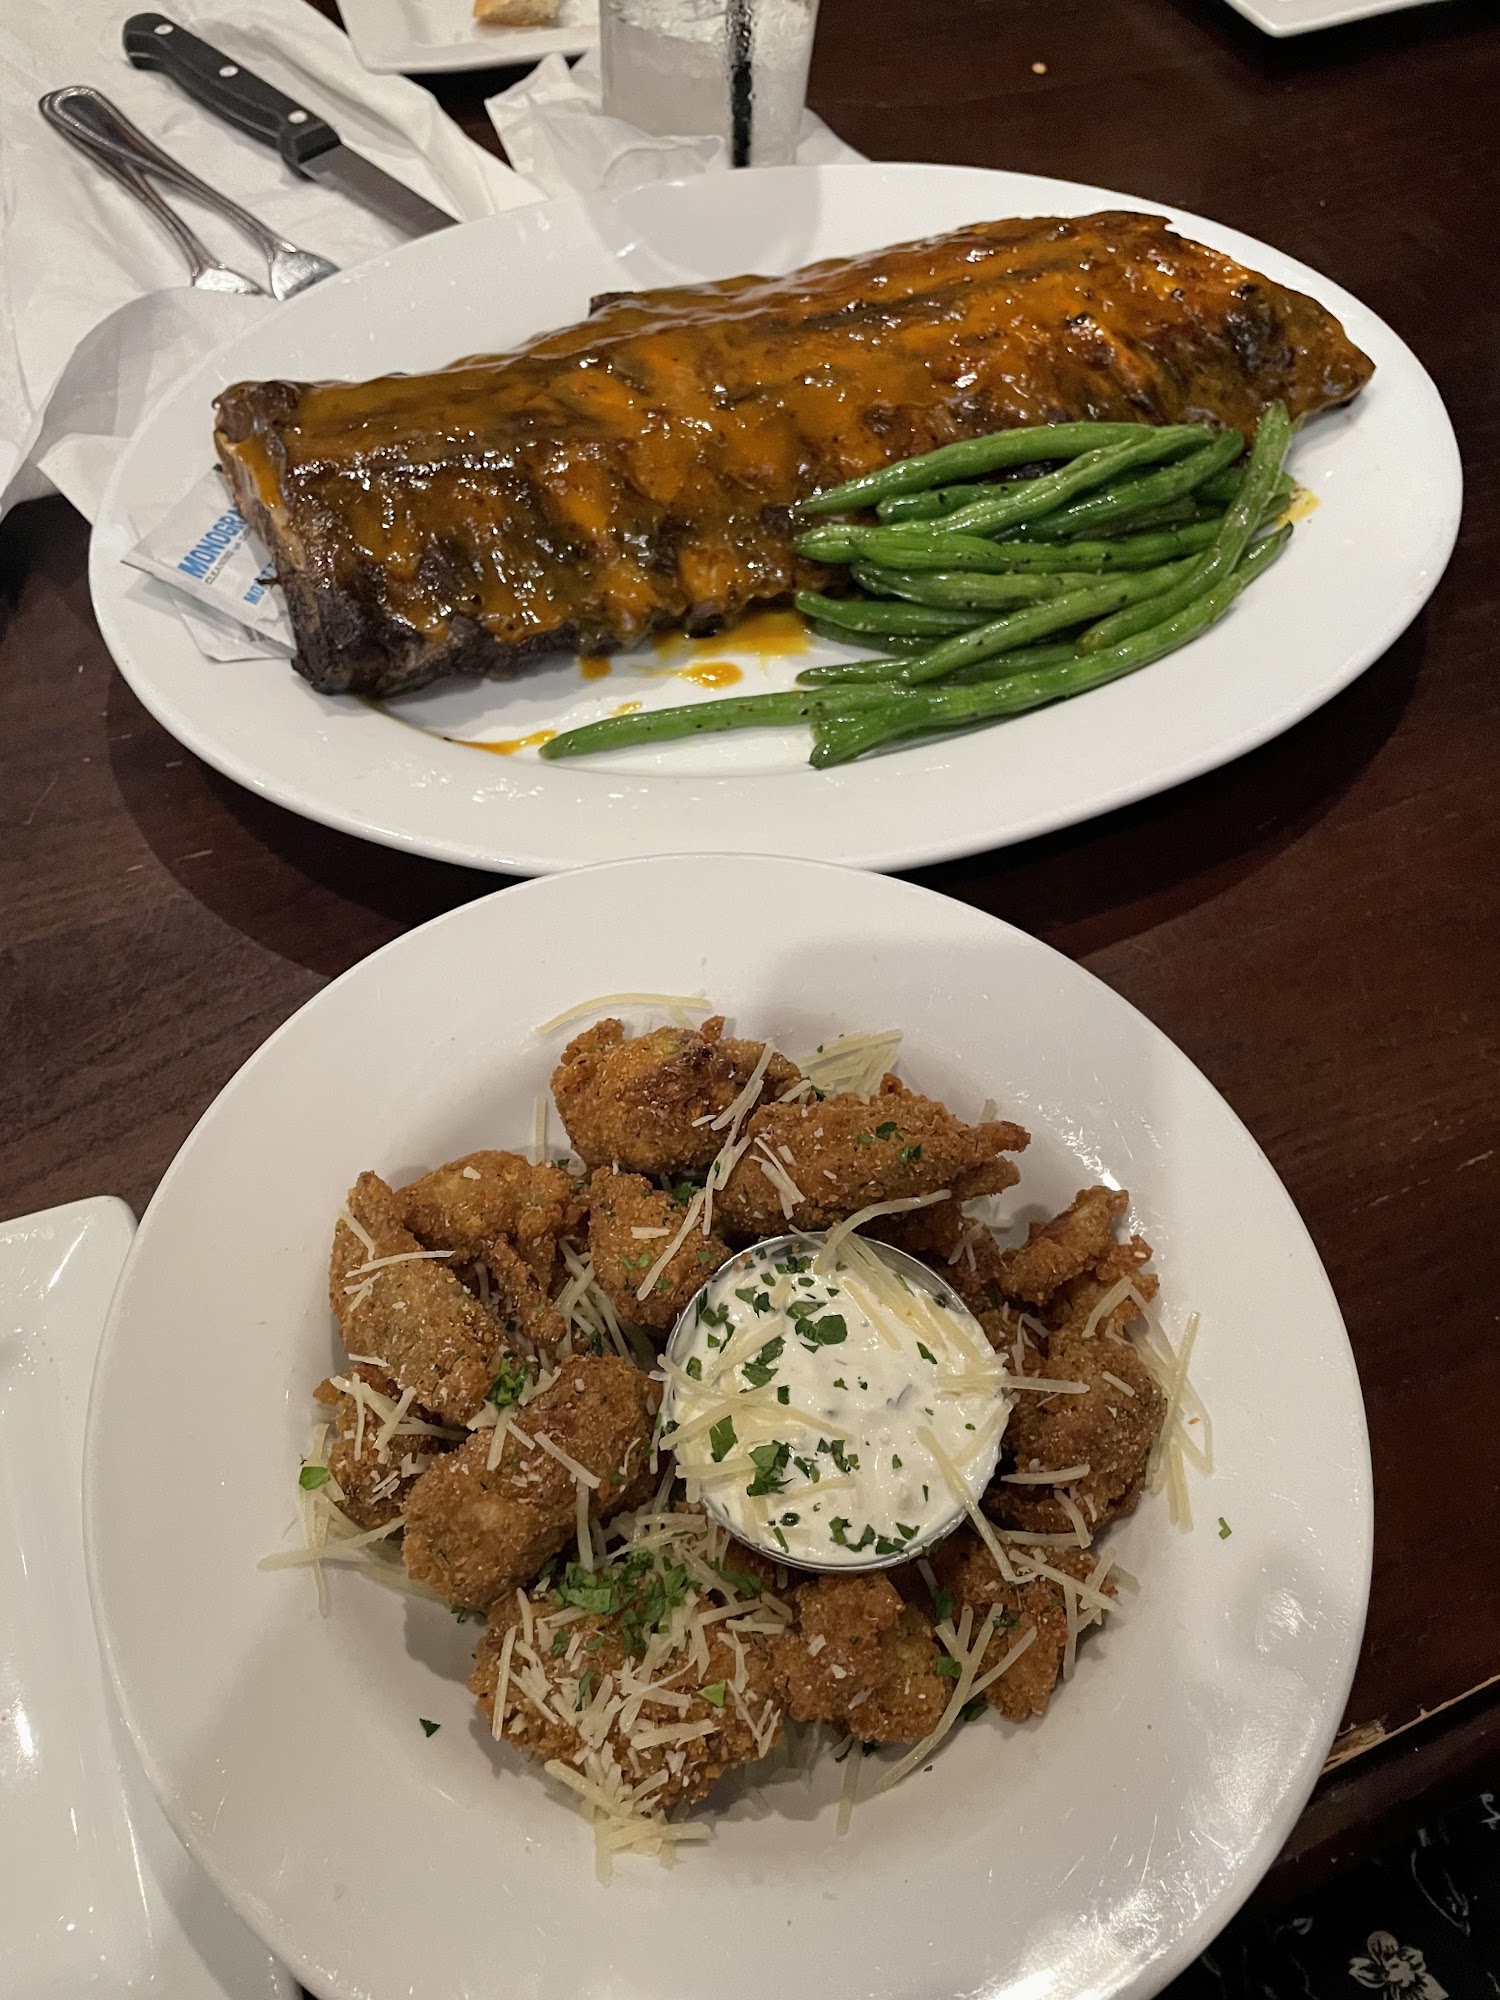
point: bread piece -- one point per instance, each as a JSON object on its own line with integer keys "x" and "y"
{"x": 516, "y": 13}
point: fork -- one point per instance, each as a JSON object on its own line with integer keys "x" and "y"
{"x": 203, "y": 272}
{"x": 87, "y": 115}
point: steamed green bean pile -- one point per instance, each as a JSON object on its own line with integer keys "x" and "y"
{"x": 986, "y": 596}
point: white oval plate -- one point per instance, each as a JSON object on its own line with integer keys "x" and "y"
{"x": 1091, "y": 1854}
{"x": 1385, "y": 473}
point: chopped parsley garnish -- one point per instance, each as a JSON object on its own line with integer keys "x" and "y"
{"x": 429, "y": 1728}
{"x": 683, "y": 1191}
{"x": 715, "y": 1692}
{"x": 510, "y": 1384}
{"x": 888, "y": 1130}
{"x": 864, "y": 1138}
{"x": 927, "y": 1355}
{"x": 1225, "y": 1531}
{"x": 908, "y": 1154}
{"x": 641, "y": 1591}
{"x": 972, "y": 1710}
{"x": 949, "y": 1668}
{"x": 809, "y": 1469}
{"x": 758, "y": 1302}
{"x": 559, "y": 1644}
{"x": 311, "y": 1477}
{"x": 895, "y": 1463}
{"x": 1003, "y": 1620}
{"x": 846, "y": 1461}
{"x": 694, "y": 1367}
{"x": 721, "y": 1439}
{"x": 862, "y": 1382}
{"x": 770, "y": 1468}
{"x": 942, "y": 1604}
{"x": 838, "y": 1528}
{"x": 839, "y": 1382}
{"x": 464, "y": 1612}
{"x": 739, "y": 1580}
{"x": 904, "y": 1532}
{"x": 758, "y": 1372}
{"x": 790, "y": 1520}
{"x": 781, "y": 1538}
{"x": 712, "y": 1315}
{"x": 829, "y": 1331}
{"x": 585, "y": 1688}
{"x": 783, "y": 1394}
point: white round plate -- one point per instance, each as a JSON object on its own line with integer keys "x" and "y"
{"x": 1093, "y": 1853}
{"x": 1385, "y": 473}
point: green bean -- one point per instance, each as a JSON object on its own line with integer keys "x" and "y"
{"x": 1025, "y": 445}
{"x": 925, "y": 506}
{"x": 911, "y": 549}
{"x": 707, "y": 718}
{"x": 1272, "y": 436}
{"x": 894, "y": 642}
{"x": 1004, "y": 634}
{"x": 1131, "y": 498}
{"x": 1025, "y": 499}
{"x": 1011, "y": 588}
{"x": 961, "y": 587}
{"x": 858, "y": 614}
{"x": 842, "y": 736}
{"x": 893, "y": 676}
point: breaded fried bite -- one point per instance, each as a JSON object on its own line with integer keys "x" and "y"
{"x": 844, "y": 1153}
{"x": 564, "y": 1700}
{"x": 370, "y": 1473}
{"x": 474, "y": 1532}
{"x": 860, "y": 1656}
{"x": 411, "y": 1314}
{"x": 645, "y": 1102}
{"x": 630, "y": 1224}
{"x": 1064, "y": 1248}
{"x": 527, "y": 1316}
{"x": 1110, "y": 1429}
{"x": 966, "y": 1570}
{"x": 464, "y": 1205}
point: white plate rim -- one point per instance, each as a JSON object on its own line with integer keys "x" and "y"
{"x": 1152, "y": 1974}
{"x": 848, "y": 818}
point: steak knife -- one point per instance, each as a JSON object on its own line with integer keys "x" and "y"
{"x": 309, "y": 146}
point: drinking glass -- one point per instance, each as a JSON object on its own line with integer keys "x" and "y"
{"x": 731, "y": 69}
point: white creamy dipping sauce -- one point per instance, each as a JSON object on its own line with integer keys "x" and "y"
{"x": 837, "y": 1412}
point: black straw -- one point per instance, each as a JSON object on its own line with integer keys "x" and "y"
{"x": 741, "y": 86}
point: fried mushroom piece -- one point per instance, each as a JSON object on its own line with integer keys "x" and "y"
{"x": 465, "y": 1204}
{"x": 620, "y": 1204}
{"x": 843, "y": 1153}
{"x": 1073, "y": 1304}
{"x": 862, "y": 1657}
{"x": 966, "y": 1570}
{"x": 473, "y": 1532}
{"x": 526, "y": 1315}
{"x": 373, "y": 1484}
{"x": 1064, "y": 1248}
{"x": 645, "y": 1102}
{"x": 1110, "y": 1429}
{"x": 413, "y": 1315}
{"x": 586, "y": 1674}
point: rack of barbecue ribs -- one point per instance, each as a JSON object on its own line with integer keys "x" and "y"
{"x": 639, "y": 469}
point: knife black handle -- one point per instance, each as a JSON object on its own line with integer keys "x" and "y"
{"x": 223, "y": 86}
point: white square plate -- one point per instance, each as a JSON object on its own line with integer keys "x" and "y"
{"x": 99, "y": 1897}
{"x": 1300, "y": 17}
{"x": 443, "y": 34}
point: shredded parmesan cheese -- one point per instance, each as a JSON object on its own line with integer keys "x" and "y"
{"x": 690, "y": 1003}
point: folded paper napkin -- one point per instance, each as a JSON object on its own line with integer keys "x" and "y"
{"x": 96, "y": 317}
{"x": 555, "y": 132}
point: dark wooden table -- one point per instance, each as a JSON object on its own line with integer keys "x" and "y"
{"x": 1315, "y": 925}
